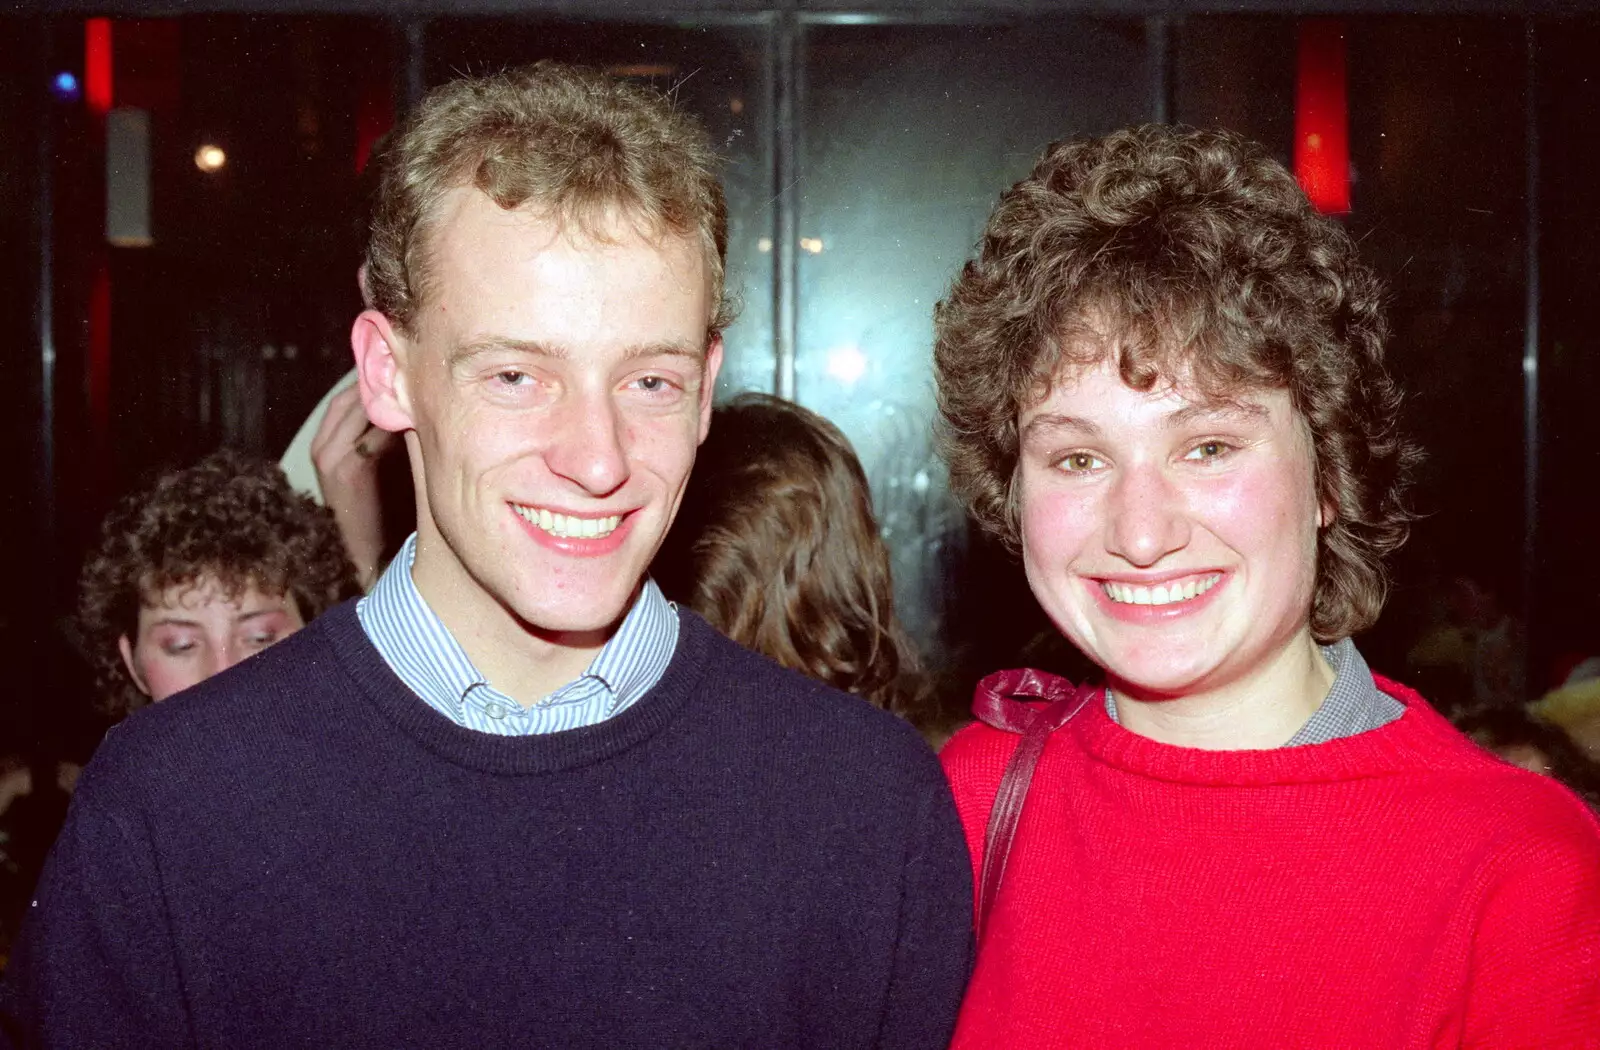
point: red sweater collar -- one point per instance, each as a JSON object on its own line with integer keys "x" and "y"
{"x": 1420, "y": 735}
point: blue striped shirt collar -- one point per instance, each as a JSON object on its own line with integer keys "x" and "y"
{"x": 423, "y": 653}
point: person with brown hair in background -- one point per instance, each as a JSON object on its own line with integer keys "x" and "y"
{"x": 777, "y": 547}
{"x": 512, "y": 797}
{"x": 211, "y": 564}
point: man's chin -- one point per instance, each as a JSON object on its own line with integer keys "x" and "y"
{"x": 578, "y": 625}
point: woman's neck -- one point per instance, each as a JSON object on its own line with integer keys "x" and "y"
{"x": 1255, "y": 712}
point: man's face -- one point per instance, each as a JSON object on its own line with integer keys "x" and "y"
{"x": 192, "y": 631}
{"x": 557, "y": 388}
{"x": 1174, "y": 541}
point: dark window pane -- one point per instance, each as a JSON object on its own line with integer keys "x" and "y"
{"x": 1566, "y": 622}
{"x": 1437, "y": 156}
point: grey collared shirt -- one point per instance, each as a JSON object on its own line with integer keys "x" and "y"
{"x": 1354, "y": 705}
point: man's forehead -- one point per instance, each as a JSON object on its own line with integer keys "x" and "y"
{"x": 464, "y": 214}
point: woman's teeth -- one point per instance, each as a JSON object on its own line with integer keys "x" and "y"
{"x": 569, "y": 527}
{"x": 1159, "y": 595}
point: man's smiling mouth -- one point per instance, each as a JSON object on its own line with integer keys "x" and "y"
{"x": 568, "y": 526}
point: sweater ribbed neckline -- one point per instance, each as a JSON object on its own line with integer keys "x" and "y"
{"x": 377, "y": 685}
{"x": 1420, "y": 735}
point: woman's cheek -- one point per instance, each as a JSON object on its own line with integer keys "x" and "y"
{"x": 166, "y": 676}
{"x": 1056, "y": 525}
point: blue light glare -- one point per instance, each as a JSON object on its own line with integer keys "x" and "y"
{"x": 65, "y": 86}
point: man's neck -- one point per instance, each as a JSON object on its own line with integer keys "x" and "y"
{"x": 515, "y": 658}
{"x": 1262, "y": 711}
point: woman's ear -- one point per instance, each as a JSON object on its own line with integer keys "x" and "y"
{"x": 126, "y": 649}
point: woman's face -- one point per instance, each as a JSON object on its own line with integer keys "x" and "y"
{"x": 1174, "y": 541}
{"x": 191, "y": 631}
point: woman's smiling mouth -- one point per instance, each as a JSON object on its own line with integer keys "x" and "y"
{"x": 1161, "y": 594}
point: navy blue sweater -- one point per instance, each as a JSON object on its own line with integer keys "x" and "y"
{"x": 299, "y": 852}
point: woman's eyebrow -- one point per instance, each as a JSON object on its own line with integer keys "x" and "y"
{"x": 1238, "y": 411}
{"x": 1049, "y": 422}
{"x": 257, "y": 613}
{"x": 173, "y": 621}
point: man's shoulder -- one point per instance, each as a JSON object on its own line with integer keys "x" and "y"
{"x": 230, "y": 722}
{"x": 752, "y": 699}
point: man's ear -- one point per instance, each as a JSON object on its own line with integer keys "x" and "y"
{"x": 126, "y": 649}
{"x": 708, "y": 383}
{"x": 380, "y": 359}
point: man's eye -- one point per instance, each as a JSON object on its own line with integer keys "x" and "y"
{"x": 511, "y": 377}
{"x": 1079, "y": 462}
{"x": 653, "y": 384}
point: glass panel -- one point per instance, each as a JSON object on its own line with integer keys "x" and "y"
{"x": 910, "y": 133}
{"x": 715, "y": 72}
{"x": 231, "y": 324}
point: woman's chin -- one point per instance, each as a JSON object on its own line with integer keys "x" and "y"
{"x": 1156, "y": 684}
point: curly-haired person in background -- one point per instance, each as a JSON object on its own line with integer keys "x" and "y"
{"x": 776, "y": 545}
{"x": 210, "y": 565}
{"x": 1163, "y": 381}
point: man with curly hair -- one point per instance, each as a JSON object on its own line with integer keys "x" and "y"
{"x": 210, "y": 565}
{"x": 1162, "y": 381}
{"x": 514, "y": 797}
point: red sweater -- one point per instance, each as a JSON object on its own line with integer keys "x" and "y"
{"x": 1399, "y": 888}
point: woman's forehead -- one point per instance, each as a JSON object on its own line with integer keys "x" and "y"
{"x": 204, "y": 589}
{"x": 1181, "y": 395}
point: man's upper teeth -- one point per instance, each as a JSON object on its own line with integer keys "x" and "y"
{"x": 1161, "y": 594}
{"x": 568, "y": 526}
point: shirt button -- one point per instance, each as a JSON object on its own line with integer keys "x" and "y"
{"x": 495, "y": 710}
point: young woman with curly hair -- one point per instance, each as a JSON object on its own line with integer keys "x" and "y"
{"x": 210, "y": 565}
{"x": 776, "y": 545}
{"x": 1162, "y": 381}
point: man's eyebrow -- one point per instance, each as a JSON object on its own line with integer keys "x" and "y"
{"x": 462, "y": 353}
{"x": 669, "y": 348}
{"x": 1052, "y": 421}
{"x": 1238, "y": 411}
{"x": 466, "y": 352}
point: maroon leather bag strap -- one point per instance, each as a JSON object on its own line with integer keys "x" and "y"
{"x": 1001, "y": 701}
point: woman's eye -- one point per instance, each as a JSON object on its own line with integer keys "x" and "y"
{"x": 177, "y": 647}
{"x": 1079, "y": 462}
{"x": 1209, "y": 450}
{"x": 263, "y": 639}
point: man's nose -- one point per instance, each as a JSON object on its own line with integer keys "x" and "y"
{"x": 1148, "y": 519}
{"x": 587, "y": 446}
